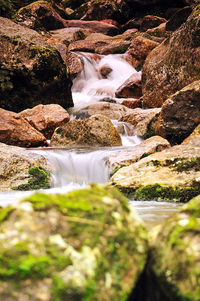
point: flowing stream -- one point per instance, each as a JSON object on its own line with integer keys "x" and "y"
{"x": 75, "y": 168}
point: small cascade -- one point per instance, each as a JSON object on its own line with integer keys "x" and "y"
{"x": 90, "y": 86}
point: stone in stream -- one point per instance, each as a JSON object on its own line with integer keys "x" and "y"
{"x": 31, "y": 71}
{"x": 172, "y": 174}
{"x": 131, "y": 88}
{"x": 179, "y": 114}
{"x": 15, "y": 165}
{"x": 174, "y": 64}
{"x": 46, "y": 118}
{"x": 96, "y": 130}
{"x": 84, "y": 245}
{"x": 15, "y": 130}
{"x": 173, "y": 270}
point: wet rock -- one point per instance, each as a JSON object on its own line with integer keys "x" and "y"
{"x": 131, "y": 87}
{"x": 85, "y": 45}
{"x": 132, "y": 103}
{"x": 179, "y": 113}
{"x": 134, "y": 153}
{"x": 175, "y": 255}
{"x": 15, "y": 164}
{"x": 83, "y": 238}
{"x": 70, "y": 34}
{"x": 15, "y": 130}
{"x": 195, "y": 133}
{"x": 39, "y": 15}
{"x": 113, "y": 48}
{"x": 74, "y": 63}
{"x": 96, "y": 130}
{"x": 159, "y": 31}
{"x": 31, "y": 71}
{"x": 172, "y": 174}
{"x": 95, "y": 26}
{"x": 143, "y": 120}
{"x": 46, "y": 118}
{"x": 151, "y": 22}
{"x": 110, "y": 21}
{"x": 139, "y": 50}
{"x": 111, "y": 110}
{"x": 174, "y": 64}
{"x": 178, "y": 18}
{"x": 105, "y": 71}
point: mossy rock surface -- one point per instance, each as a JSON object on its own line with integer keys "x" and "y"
{"x": 31, "y": 71}
{"x": 84, "y": 245}
{"x": 175, "y": 255}
{"x": 171, "y": 175}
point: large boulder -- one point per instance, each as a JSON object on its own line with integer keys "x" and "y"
{"x": 31, "y": 71}
{"x": 39, "y": 15}
{"x": 95, "y": 130}
{"x": 172, "y": 174}
{"x": 15, "y": 130}
{"x": 15, "y": 165}
{"x": 175, "y": 257}
{"x": 46, "y": 118}
{"x": 84, "y": 245}
{"x": 174, "y": 64}
{"x": 179, "y": 113}
{"x": 8, "y": 7}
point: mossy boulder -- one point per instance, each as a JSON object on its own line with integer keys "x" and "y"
{"x": 31, "y": 71}
{"x": 172, "y": 174}
{"x": 175, "y": 256}
{"x": 9, "y": 7}
{"x": 84, "y": 245}
{"x": 174, "y": 64}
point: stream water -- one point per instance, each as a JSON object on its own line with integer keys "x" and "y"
{"x": 75, "y": 168}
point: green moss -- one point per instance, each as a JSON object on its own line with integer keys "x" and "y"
{"x": 5, "y": 212}
{"x": 116, "y": 168}
{"x": 183, "y": 164}
{"x": 39, "y": 180}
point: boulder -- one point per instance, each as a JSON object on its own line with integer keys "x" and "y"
{"x": 174, "y": 64}
{"x": 8, "y": 8}
{"x": 89, "y": 243}
{"x": 95, "y": 26}
{"x": 172, "y": 174}
{"x": 143, "y": 120}
{"x": 139, "y": 50}
{"x": 120, "y": 47}
{"x": 46, "y": 118}
{"x": 134, "y": 153}
{"x": 150, "y": 21}
{"x": 195, "y": 133}
{"x": 70, "y": 34}
{"x": 179, "y": 113}
{"x": 159, "y": 31}
{"x": 15, "y": 130}
{"x": 175, "y": 256}
{"x": 95, "y": 130}
{"x": 113, "y": 111}
{"x": 132, "y": 103}
{"x": 74, "y": 64}
{"x": 85, "y": 45}
{"x": 31, "y": 71}
{"x": 15, "y": 165}
{"x": 178, "y": 18}
{"x": 39, "y": 15}
{"x": 131, "y": 88}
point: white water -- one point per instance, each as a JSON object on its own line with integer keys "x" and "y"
{"x": 75, "y": 168}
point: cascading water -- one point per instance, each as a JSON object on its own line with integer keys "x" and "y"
{"x": 75, "y": 168}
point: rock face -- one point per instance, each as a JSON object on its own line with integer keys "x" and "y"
{"x": 46, "y": 118}
{"x": 15, "y": 164}
{"x": 174, "y": 64}
{"x": 173, "y": 174}
{"x": 39, "y": 15}
{"x": 134, "y": 153}
{"x": 96, "y": 130}
{"x": 31, "y": 71}
{"x": 143, "y": 120}
{"x": 131, "y": 87}
{"x": 151, "y": 22}
{"x": 89, "y": 243}
{"x": 175, "y": 255}
{"x": 15, "y": 130}
{"x": 179, "y": 113}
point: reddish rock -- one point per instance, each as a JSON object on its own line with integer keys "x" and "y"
{"x": 131, "y": 87}
{"x": 70, "y": 34}
{"x": 132, "y": 30}
{"x": 46, "y": 118}
{"x": 15, "y": 130}
{"x": 110, "y": 21}
{"x": 105, "y": 70}
{"x": 151, "y": 22}
{"x": 74, "y": 64}
{"x": 119, "y": 47}
{"x": 95, "y": 26}
{"x": 86, "y": 46}
{"x": 195, "y": 134}
{"x": 159, "y": 31}
{"x": 132, "y": 103}
{"x": 138, "y": 51}
{"x": 39, "y": 15}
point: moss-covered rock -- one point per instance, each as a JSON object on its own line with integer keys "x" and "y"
{"x": 175, "y": 256}
{"x": 84, "y": 245}
{"x": 9, "y": 7}
{"x": 172, "y": 174}
{"x": 31, "y": 71}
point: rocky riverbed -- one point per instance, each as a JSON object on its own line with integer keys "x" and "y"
{"x": 121, "y": 78}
